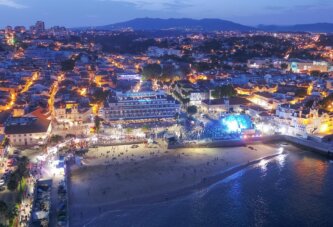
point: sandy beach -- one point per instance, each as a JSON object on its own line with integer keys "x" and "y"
{"x": 113, "y": 177}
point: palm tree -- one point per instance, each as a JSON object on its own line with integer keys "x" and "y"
{"x": 3, "y": 209}
{"x": 97, "y": 122}
{"x": 12, "y": 213}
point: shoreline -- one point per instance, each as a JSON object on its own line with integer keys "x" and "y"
{"x": 138, "y": 183}
{"x": 155, "y": 199}
{"x": 208, "y": 182}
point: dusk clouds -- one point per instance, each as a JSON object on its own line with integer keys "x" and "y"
{"x": 11, "y": 3}
{"x": 100, "y": 12}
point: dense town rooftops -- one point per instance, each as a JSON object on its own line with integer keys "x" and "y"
{"x": 25, "y": 125}
{"x": 4, "y": 115}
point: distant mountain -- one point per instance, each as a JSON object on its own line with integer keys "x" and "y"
{"x": 180, "y": 24}
{"x": 318, "y": 27}
{"x": 208, "y": 25}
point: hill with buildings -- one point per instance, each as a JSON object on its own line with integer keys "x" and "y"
{"x": 208, "y": 25}
{"x": 317, "y": 27}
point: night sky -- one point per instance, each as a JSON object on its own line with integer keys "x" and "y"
{"x": 73, "y": 13}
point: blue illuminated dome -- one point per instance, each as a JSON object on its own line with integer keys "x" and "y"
{"x": 232, "y": 124}
{"x": 236, "y": 123}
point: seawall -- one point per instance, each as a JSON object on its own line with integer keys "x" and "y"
{"x": 318, "y": 147}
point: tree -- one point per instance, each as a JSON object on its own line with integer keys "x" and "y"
{"x": 69, "y": 136}
{"x": 13, "y": 182}
{"x": 284, "y": 66}
{"x": 68, "y": 65}
{"x": 97, "y": 122}
{"x": 21, "y": 171}
{"x": 99, "y": 95}
{"x": 12, "y": 212}
{"x": 129, "y": 130}
{"x": 210, "y": 45}
{"x": 184, "y": 70}
{"x": 201, "y": 66}
{"x": 3, "y": 208}
{"x": 152, "y": 71}
{"x": 168, "y": 73}
{"x": 327, "y": 103}
{"x": 56, "y": 139}
{"x": 309, "y": 103}
{"x": 226, "y": 67}
{"x": 192, "y": 110}
{"x": 145, "y": 128}
{"x": 3, "y": 212}
{"x": 224, "y": 91}
{"x": 301, "y": 92}
{"x": 315, "y": 73}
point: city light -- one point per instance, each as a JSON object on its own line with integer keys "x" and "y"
{"x": 232, "y": 125}
{"x": 236, "y": 123}
{"x": 283, "y": 130}
{"x": 324, "y": 128}
{"x": 93, "y": 117}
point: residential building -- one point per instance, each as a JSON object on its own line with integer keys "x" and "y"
{"x": 234, "y": 104}
{"x": 31, "y": 129}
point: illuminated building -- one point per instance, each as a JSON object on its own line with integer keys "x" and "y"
{"x": 192, "y": 92}
{"x": 134, "y": 106}
{"x": 39, "y": 27}
{"x": 329, "y": 84}
{"x": 309, "y": 66}
{"x": 237, "y": 123}
{"x": 231, "y": 124}
{"x": 197, "y": 96}
{"x": 235, "y": 104}
{"x": 247, "y": 90}
{"x": 257, "y": 112}
{"x": 18, "y": 112}
{"x": 19, "y": 29}
{"x": 4, "y": 115}
{"x": 159, "y": 52}
{"x": 258, "y": 63}
{"x": 266, "y": 100}
{"x": 129, "y": 77}
{"x": 303, "y": 122}
{"x": 8, "y": 29}
{"x": 31, "y": 129}
{"x": 3, "y": 146}
{"x": 70, "y": 111}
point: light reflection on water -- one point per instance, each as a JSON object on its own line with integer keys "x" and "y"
{"x": 281, "y": 159}
{"x": 263, "y": 164}
{"x": 291, "y": 189}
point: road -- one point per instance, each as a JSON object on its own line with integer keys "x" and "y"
{"x": 53, "y": 91}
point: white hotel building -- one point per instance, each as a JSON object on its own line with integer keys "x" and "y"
{"x": 140, "y": 106}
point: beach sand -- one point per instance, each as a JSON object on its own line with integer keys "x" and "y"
{"x": 114, "y": 177}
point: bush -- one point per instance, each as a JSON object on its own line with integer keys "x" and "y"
{"x": 68, "y": 65}
{"x": 152, "y": 71}
{"x": 56, "y": 139}
{"x": 224, "y": 91}
{"x": 192, "y": 110}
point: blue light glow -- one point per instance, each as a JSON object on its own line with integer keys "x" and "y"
{"x": 236, "y": 123}
{"x": 231, "y": 125}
